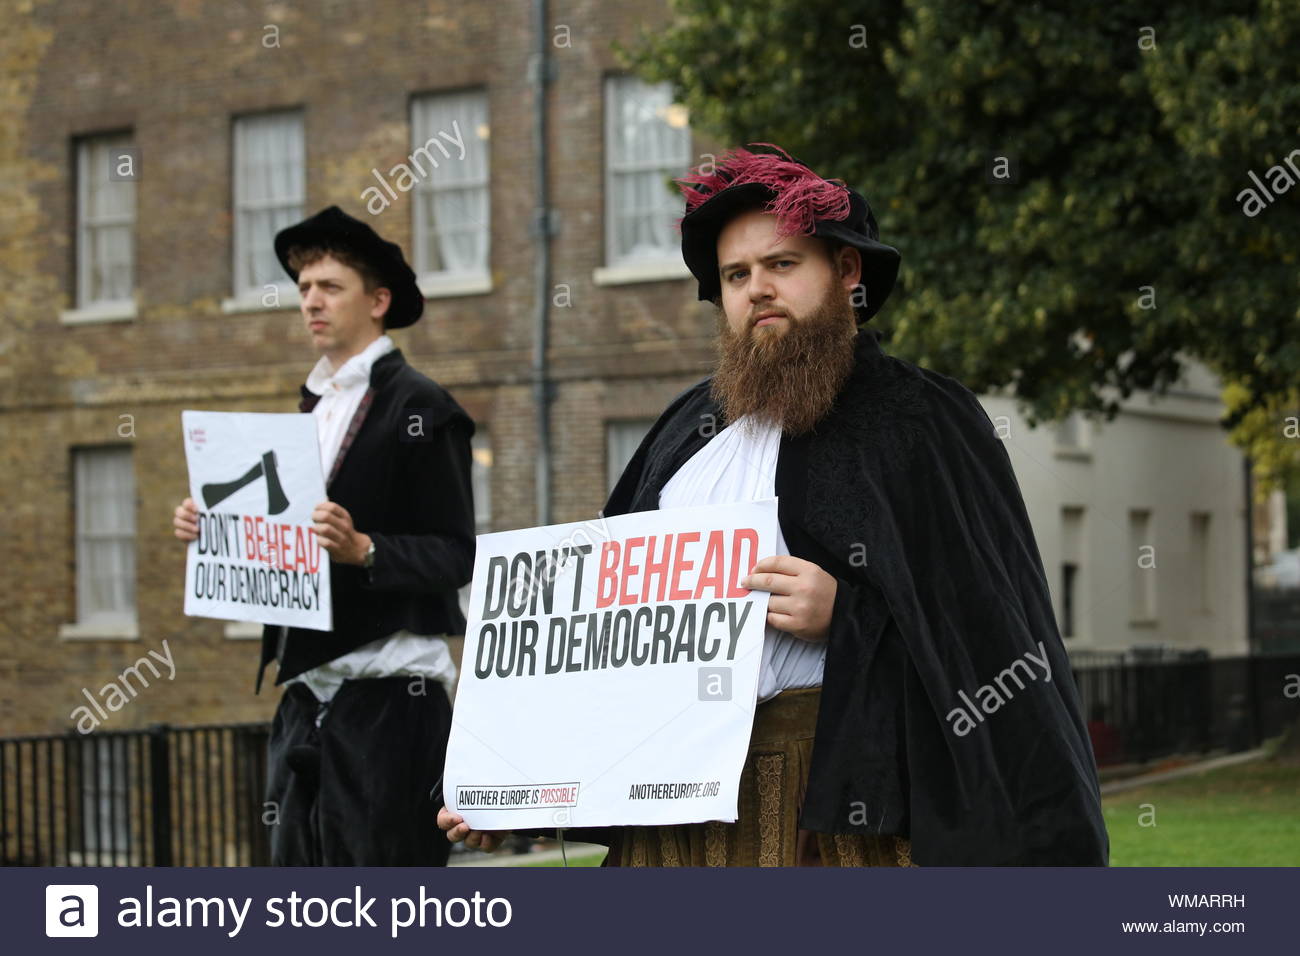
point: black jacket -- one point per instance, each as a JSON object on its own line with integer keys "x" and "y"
{"x": 405, "y": 480}
{"x": 905, "y": 494}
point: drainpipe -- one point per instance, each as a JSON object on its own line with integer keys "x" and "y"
{"x": 542, "y": 229}
{"x": 1252, "y": 684}
{"x": 1250, "y": 554}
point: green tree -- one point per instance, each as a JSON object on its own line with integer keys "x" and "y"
{"x": 1127, "y": 244}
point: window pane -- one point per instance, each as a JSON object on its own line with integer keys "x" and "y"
{"x": 269, "y": 194}
{"x": 481, "y": 477}
{"x": 105, "y": 224}
{"x": 621, "y": 442}
{"x": 105, "y": 522}
{"x": 449, "y": 158}
{"x": 648, "y": 145}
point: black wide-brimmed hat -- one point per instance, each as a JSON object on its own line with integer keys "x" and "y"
{"x": 332, "y": 228}
{"x": 804, "y": 204}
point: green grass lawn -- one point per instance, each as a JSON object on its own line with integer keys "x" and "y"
{"x": 575, "y": 859}
{"x": 1247, "y": 815}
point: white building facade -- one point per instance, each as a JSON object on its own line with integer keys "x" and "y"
{"x": 1140, "y": 521}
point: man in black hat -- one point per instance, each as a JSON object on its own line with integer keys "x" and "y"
{"x": 915, "y": 702}
{"x": 360, "y": 733}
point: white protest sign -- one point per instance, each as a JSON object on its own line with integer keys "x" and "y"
{"x": 610, "y": 670}
{"x": 256, "y": 479}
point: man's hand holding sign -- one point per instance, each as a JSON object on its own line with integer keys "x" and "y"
{"x": 334, "y": 530}
{"x": 803, "y": 595}
{"x": 333, "y": 527}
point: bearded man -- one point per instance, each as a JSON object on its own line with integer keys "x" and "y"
{"x": 906, "y": 577}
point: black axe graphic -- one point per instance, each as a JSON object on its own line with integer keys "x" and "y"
{"x": 276, "y": 501}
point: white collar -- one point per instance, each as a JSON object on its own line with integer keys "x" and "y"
{"x": 355, "y": 371}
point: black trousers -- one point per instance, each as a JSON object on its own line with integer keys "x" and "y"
{"x": 355, "y": 791}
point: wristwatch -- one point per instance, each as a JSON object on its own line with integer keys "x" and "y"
{"x": 368, "y": 561}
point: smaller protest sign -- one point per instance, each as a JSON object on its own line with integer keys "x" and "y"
{"x": 256, "y": 479}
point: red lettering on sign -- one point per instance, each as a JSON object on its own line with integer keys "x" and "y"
{"x": 712, "y": 568}
{"x": 250, "y": 539}
{"x": 608, "y": 576}
{"x": 656, "y": 569}
{"x": 629, "y": 569}
{"x": 742, "y": 536}
{"x": 680, "y": 564}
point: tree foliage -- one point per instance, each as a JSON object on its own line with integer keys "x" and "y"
{"x": 1125, "y": 246}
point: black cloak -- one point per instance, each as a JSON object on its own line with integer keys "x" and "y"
{"x": 905, "y": 493}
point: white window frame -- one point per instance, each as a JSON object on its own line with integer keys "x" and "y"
{"x": 245, "y": 295}
{"x": 621, "y": 268}
{"x": 474, "y": 126}
{"x": 91, "y": 152}
{"x": 93, "y": 622}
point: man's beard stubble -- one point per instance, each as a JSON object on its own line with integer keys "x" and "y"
{"x": 787, "y": 379}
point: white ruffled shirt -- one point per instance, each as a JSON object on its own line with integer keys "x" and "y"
{"x": 400, "y": 653}
{"x": 739, "y": 464}
{"x": 340, "y": 394}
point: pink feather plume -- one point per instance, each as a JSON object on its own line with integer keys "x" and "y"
{"x": 802, "y": 197}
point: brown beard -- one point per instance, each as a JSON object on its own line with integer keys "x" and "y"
{"x": 787, "y": 379}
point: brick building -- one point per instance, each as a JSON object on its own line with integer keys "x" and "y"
{"x": 154, "y": 148}
{"x": 151, "y": 151}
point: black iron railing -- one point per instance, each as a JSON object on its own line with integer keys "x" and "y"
{"x": 1143, "y": 706}
{"x": 166, "y": 796}
{"x": 193, "y": 796}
